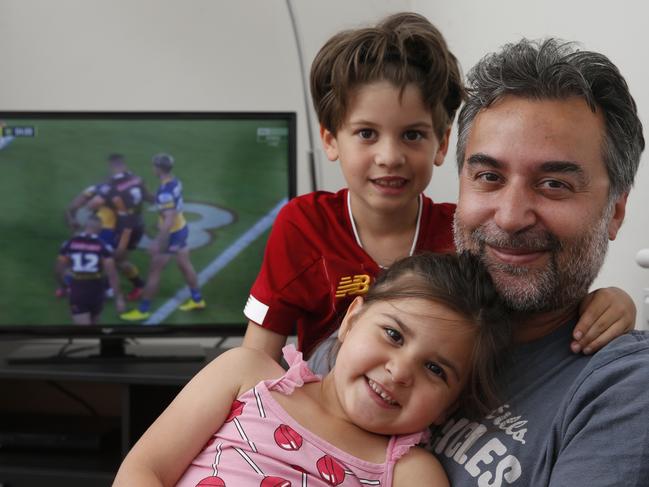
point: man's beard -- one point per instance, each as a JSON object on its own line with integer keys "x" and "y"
{"x": 563, "y": 281}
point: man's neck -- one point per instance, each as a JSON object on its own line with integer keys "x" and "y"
{"x": 532, "y": 326}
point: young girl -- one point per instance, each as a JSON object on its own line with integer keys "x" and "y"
{"x": 425, "y": 340}
{"x": 386, "y": 97}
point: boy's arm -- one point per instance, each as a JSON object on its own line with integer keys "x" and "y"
{"x": 418, "y": 467}
{"x": 605, "y": 314}
{"x": 263, "y": 339}
{"x": 167, "y": 448}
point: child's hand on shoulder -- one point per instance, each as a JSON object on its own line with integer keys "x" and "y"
{"x": 605, "y": 314}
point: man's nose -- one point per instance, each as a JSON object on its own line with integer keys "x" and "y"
{"x": 515, "y": 208}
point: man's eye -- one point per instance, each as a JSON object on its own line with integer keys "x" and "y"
{"x": 413, "y": 135}
{"x": 553, "y": 184}
{"x": 436, "y": 369}
{"x": 488, "y": 177}
{"x": 394, "y": 335}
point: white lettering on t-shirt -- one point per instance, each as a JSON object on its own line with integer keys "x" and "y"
{"x": 508, "y": 469}
{"x": 510, "y": 425}
{"x": 483, "y": 455}
{"x": 451, "y": 428}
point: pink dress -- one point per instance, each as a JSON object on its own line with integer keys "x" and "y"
{"x": 261, "y": 445}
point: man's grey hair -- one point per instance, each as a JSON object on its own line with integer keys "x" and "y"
{"x": 554, "y": 69}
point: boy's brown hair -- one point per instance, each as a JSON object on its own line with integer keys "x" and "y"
{"x": 403, "y": 48}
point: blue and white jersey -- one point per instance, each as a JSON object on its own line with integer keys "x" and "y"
{"x": 170, "y": 197}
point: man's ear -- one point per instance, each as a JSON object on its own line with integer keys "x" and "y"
{"x": 350, "y": 317}
{"x": 443, "y": 148}
{"x": 619, "y": 209}
{"x": 329, "y": 143}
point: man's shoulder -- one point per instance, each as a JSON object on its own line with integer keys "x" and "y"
{"x": 632, "y": 347}
{"x": 620, "y": 369}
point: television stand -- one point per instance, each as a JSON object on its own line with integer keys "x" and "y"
{"x": 92, "y": 414}
{"x": 108, "y": 350}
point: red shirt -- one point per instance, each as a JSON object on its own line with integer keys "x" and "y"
{"x": 314, "y": 267}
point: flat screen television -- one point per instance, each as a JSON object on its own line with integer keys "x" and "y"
{"x": 237, "y": 170}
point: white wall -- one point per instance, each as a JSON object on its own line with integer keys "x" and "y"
{"x": 241, "y": 55}
{"x": 165, "y": 55}
{"x": 618, "y": 30}
{"x": 169, "y": 55}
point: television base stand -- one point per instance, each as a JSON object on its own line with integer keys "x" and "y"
{"x": 107, "y": 351}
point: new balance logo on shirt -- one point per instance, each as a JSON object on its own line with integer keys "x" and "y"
{"x": 353, "y": 285}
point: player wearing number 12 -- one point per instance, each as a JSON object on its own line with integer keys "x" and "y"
{"x": 88, "y": 258}
{"x": 171, "y": 241}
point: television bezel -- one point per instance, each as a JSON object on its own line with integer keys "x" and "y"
{"x": 126, "y": 330}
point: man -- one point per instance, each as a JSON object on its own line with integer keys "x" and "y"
{"x": 124, "y": 193}
{"x": 549, "y": 144}
{"x": 171, "y": 241}
{"x": 89, "y": 259}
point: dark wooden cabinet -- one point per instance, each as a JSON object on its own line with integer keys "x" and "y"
{"x": 84, "y": 417}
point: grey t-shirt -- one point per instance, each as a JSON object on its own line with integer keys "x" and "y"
{"x": 569, "y": 420}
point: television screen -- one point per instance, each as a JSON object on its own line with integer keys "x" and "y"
{"x": 236, "y": 170}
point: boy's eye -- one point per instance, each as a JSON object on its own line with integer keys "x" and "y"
{"x": 366, "y": 134}
{"x": 413, "y": 135}
{"x": 436, "y": 369}
{"x": 393, "y": 335}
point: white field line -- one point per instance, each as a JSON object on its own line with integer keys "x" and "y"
{"x": 214, "y": 267}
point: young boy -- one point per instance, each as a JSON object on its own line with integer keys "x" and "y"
{"x": 385, "y": 97}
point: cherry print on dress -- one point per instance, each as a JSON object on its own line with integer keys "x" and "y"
{"x": 330, "y": 470}
{"x": 214, "y": 480}
{"x": 275, "y": 482}
{"x": 302, "y": 473}
{"x": 211, "y": 482}
{"x": 235, "y": 410}
{"x": 287, "y": 438}
{"x": 268, "y": 481}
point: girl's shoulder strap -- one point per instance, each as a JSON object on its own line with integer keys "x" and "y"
{"x": 400, "y": 445}
{"x": 297, "y": 375}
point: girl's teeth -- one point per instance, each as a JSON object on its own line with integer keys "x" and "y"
{"x": 384, "y": 395}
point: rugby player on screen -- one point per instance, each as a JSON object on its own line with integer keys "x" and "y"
{"x": 171, "y": 241}
{"x": 124, "y": 193}
{"x": 107, "y": 233}
{"x": 88, "y": 259}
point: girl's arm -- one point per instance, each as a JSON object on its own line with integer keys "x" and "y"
{"x": 419, "y": 467}
{"x": 168, "y": 447}
{"x": 605, "y": 314}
